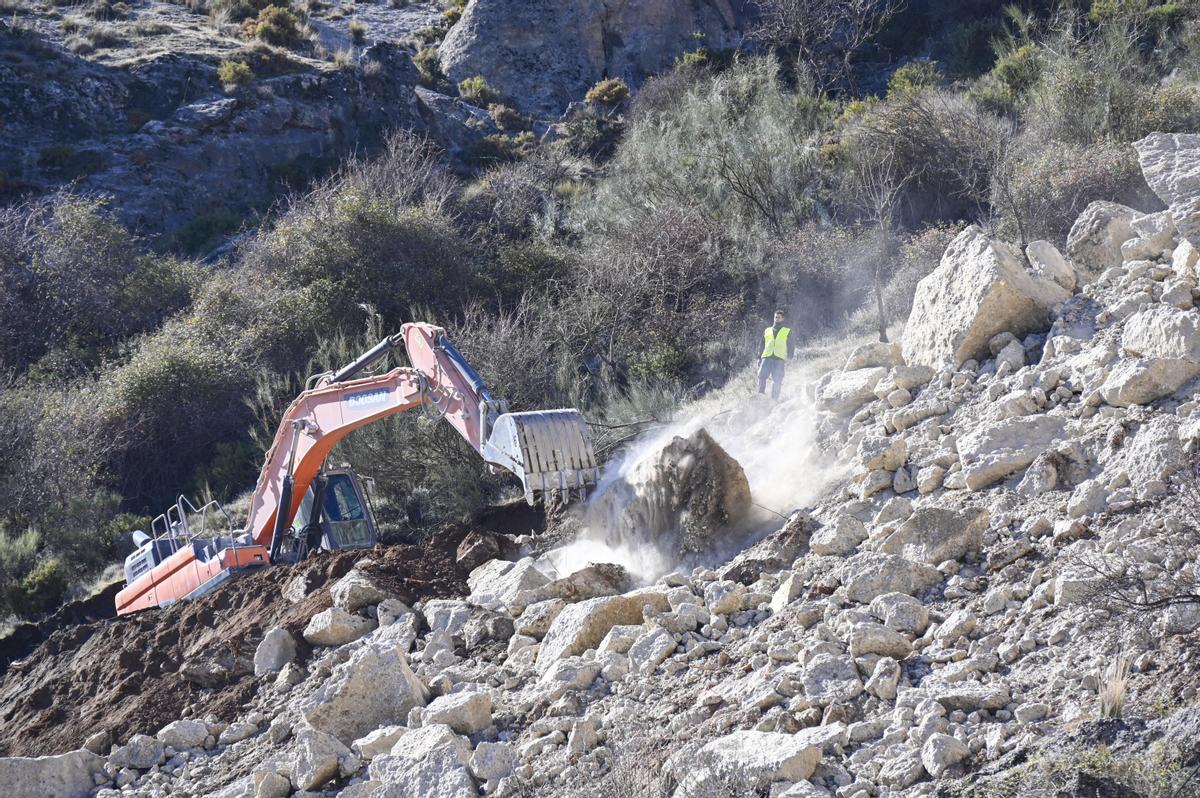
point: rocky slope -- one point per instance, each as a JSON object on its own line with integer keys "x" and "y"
{"x": 125, "y": 100}
{"x": 943, "y": 620}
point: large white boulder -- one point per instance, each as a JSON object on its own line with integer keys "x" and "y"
{"x": 429, "y": 762}
{"x": 846, "y": 391}
{"x": 493, "y": 761}
{"x": 972, "y": 696}
{"x": 63, "y": 776}
{"x": 497, "y": 582}
{"x": 317, "y": 759}
{"x": 465, "y": 713}
{"x": 336, "y": 627}
{"x": 1171, "y": 165}
{"x": 374, "y": 688}
{"x": 1049, "y": 263}
{"x": 536, "y": 619}
{"x": 980, "y": 289}
{"x": 1163, "y": 332}
{"x": 875, "y": 638}
{"x": 940, "y": 752}
{"x": 869, "y": 574}
{"x": 276, "y": 650}
{"x": 1094, "y": 243}
{"x": 747, "y": 761}
{"x": 1155, "y": 234}
{"x": 991, "y": 452}
{"x": 901, "y": 612}
{"x": 182, "y": 734}
{"x": 839, "y": 538}
{"x": 378, "y": 742}
{"x": 582, "y": 626}
{"x": 1139, "y": 381}
{"x": 356, "y": 590}
{"x": 650, "y": 649}
{"x": 936, "y": 534}
{"x": 597, "y": 579}
{"x": 874, "y": 354}
{"x": 831, "y": 678}
{"x": 888, "y": 453}
{"x": 1164, "y": 347}
{"x": 140, "y": 752}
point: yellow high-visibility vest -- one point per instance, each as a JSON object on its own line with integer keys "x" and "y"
{"x": 775, "y": 344}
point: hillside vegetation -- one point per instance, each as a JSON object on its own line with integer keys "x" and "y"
{"x": 630, "y": 261}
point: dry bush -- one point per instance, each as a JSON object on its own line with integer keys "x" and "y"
{"x": 1050, "y": 183}
{"x": 825, "y": 35}
{"x": 943, "y": 147}
{"x": 520, "y": 200}
{"x": 739, "y": 149}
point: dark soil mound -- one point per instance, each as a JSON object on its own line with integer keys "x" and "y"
{"x": 128, "y": 675}
{"x": 28, "y": 636}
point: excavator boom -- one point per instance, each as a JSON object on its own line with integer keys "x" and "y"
{"x": 549, "y": 451}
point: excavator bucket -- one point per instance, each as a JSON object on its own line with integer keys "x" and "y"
{"x": 550, "y": 450}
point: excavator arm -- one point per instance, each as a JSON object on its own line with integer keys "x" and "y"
{"x": 550, "y": 451}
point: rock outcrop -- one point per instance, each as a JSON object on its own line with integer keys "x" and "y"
{"x": 1169, "y": 162}
{"x": 63, "y": 776}
{"x": 545, "y": 54}
{"x": 981, "y": 289}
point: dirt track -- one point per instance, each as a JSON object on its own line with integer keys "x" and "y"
{"x": 123, "y": 674}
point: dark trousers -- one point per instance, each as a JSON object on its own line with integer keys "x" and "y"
{"x": 770, "y": 368}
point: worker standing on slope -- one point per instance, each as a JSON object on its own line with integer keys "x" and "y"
{"x": 777, "y": 350}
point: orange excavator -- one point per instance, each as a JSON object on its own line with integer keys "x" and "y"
{"x": 300, "y": 505}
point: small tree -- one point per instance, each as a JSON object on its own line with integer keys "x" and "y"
{"x": 877, "y": 189}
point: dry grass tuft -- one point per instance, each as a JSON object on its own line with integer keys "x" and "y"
{"x": 1113, "y": 683}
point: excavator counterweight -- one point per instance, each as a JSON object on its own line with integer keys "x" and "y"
{"x": 549, "y": 451}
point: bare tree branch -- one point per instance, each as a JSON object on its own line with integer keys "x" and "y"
{"x": 825, "y": 35}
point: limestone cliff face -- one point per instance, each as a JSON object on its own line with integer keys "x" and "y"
{"x": 544, "y": 54}
{"x": 168, "y": 145}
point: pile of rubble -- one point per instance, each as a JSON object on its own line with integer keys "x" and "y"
{"x": 937, "y": 615}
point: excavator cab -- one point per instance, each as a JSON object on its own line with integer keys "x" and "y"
{"x": 346, "y": 520}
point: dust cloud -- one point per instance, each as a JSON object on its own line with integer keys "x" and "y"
{"x": 776, "y": 444}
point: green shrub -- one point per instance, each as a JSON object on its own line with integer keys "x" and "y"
{"x": 476, "y": 90}
{"x": 967, "y": 48}
{"x": 940, "y": 143}
{"x": 501, "y": 148}
{"x": 1171, "y": 108}
{"x": 235, "y": 73}
{"x": 429, "y": 65}
{"x": 913, "y": 77}
{"x": 611, "y": 92}
{"x": 744, "y": 144}
{"x": 42, "y": 589}
{"x": 18, "y": 555}
{"x": 278, "y": 26}
{"x": 1019, "y": 70}
{"x": 705, "y": 58}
